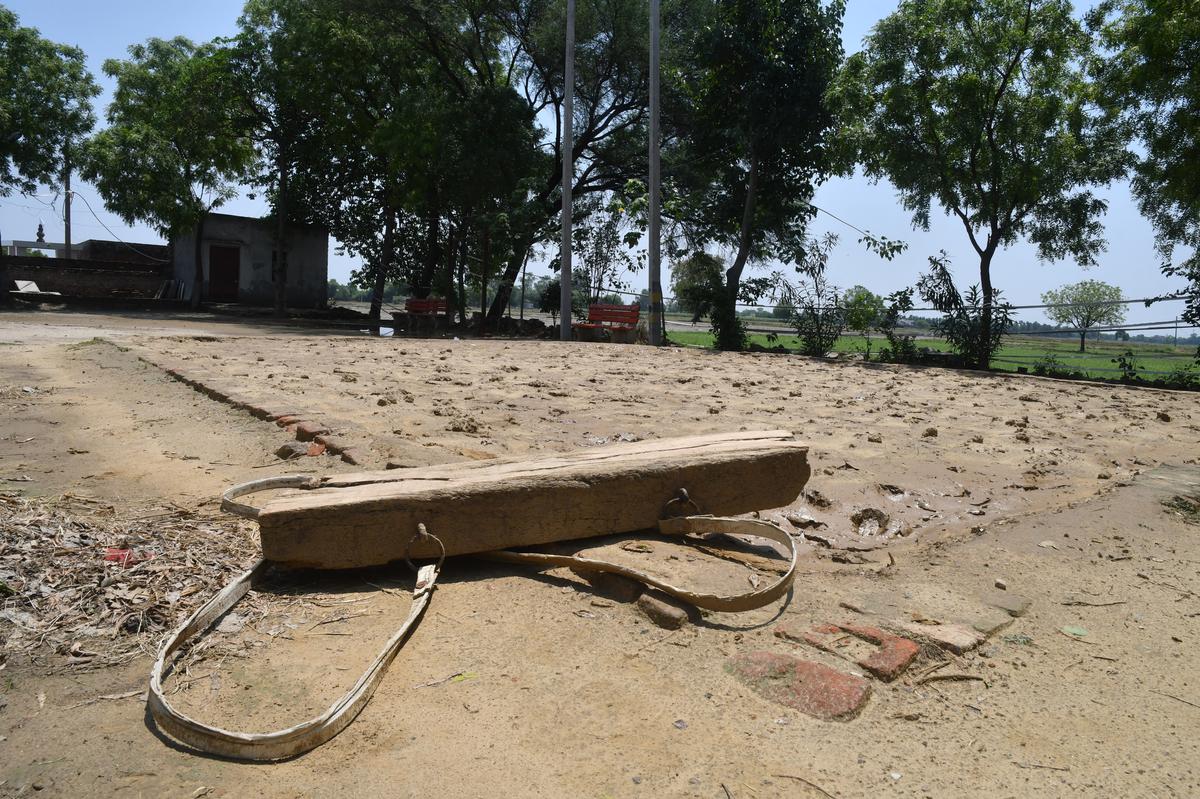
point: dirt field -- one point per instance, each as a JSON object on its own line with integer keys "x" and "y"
{"x": 526, "y": 684}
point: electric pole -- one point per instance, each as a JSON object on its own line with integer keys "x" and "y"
{"x": 656, "y": 298}
{"x": 568, "y": 177}
{"x": 67, "y": 203}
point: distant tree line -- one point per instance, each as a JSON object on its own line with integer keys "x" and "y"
{"x": 425, "y": 136}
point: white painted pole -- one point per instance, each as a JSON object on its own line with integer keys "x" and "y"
{"x": 568, "y": 177}
{"x": 656, "y": 298}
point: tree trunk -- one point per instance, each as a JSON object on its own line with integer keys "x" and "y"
{"x": 199, "y": 277}
{"x": 985, "y": 323}
{"x": 485, "y": 252}
{"x": 512, "y": 270}
{"x": 462, "y": 282}
{"x": 1082, "y": 336}
{"x": 384, "y": 266}
{"x": 433, "y": 229}
{"x": 733, "y": 275}
{"x": 281, "y": 266}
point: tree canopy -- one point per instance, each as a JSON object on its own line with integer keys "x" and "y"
{"x": 46, "y": 96}
{"x": 1084, "y": 305}
{"x": 983, "y": 108}
{"x": 1148, "y": 74}
{"x": 173, "y": 150}
{"x": 751, "y": 134}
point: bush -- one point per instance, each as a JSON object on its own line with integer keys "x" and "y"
{"x": 901, "y": 348}
{"x": 1050, "y": 366}
{"x": 962, "y": 323}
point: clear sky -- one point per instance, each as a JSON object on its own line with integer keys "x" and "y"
{"x": 105, "y": 30}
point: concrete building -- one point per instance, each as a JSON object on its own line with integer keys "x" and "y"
{"x": 237, "y": 252}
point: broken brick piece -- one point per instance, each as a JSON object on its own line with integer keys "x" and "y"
{"x": 284, "y": 421}
{"x": 315, "y": 449}
{"x": 804, "y": 685}
{"x": 354, "y": 456}
{"x": 958, "y": 638}
{"x": 308, "y": 431}
{"x": 333, "y": 444}
{"x": 893, "y": 655}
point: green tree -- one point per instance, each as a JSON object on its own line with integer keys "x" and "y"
{"x": 752, "y": 146}
{"x": 550, "y": 299}
{"x": 864, "y": 310}
{"x": 46, "y": 96}
{"x": 272, "y": 76}
{"x": 172, "y": 151}
{"x": 1085, "y": 305}
{"x": 1149, "y": 75}
{"x": 696, "y": 282}
{"x": 984, "y": 108}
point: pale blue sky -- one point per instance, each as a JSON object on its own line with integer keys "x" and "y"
{"x": 105, "y": 30}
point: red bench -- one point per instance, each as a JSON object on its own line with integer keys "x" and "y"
{"x": 426, "y": 312}
{"x": 618, "y": 321}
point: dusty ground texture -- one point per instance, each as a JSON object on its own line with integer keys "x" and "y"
{"x": 533, "y": 685}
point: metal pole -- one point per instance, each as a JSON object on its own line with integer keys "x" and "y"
{"x": 656, "y": 299}
{"x": 67, "y": 203}
{"x": 568, "y": 177}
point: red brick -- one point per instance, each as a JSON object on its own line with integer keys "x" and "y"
{"x": 809, "y": 687}
{"x": 893, "y": 655}
{"x": 284, "y": 421}
{"x": 308, "y": 431}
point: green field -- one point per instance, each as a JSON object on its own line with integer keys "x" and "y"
{"x": 1154, "y": 360}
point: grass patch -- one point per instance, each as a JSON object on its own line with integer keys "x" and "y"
{"x": 1018, "y": 352}
{"x": 1187, "y": 507}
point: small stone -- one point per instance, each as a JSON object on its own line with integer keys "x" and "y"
{"x": 1104, "y": 476}
{"x": 354, "y": 457}
{"x": 292, "y": 449}
{"x": 875, "y": 438}
{"x": 930, "y": 432}
{"x": 976, "y": 439}
{"x": 989, "y": 621}
{"x": 1163, "y": 416}
{"x": 804, "y": 521}
{"x": 1003, "y": 586}
{"x": 661, "y": 611}
{"x": 1014, "y": 605}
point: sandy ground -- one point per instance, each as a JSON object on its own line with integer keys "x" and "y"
{"x": 560, "y": 692}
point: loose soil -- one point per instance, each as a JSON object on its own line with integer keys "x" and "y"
{"x": 527, "y": 684}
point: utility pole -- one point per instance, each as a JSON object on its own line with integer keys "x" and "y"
{"x": 656, "y": 297}
{"x": 67, "y": 204}
{"x": 568, "y": 178}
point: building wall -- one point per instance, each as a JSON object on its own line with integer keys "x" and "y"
{"x": 79, "y": 278}
{"x": 308, "y": 259}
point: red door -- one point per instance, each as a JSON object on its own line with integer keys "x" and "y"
{"x": 224, "y": 271}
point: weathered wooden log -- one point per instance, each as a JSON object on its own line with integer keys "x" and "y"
{"x": 370, "y": 518}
